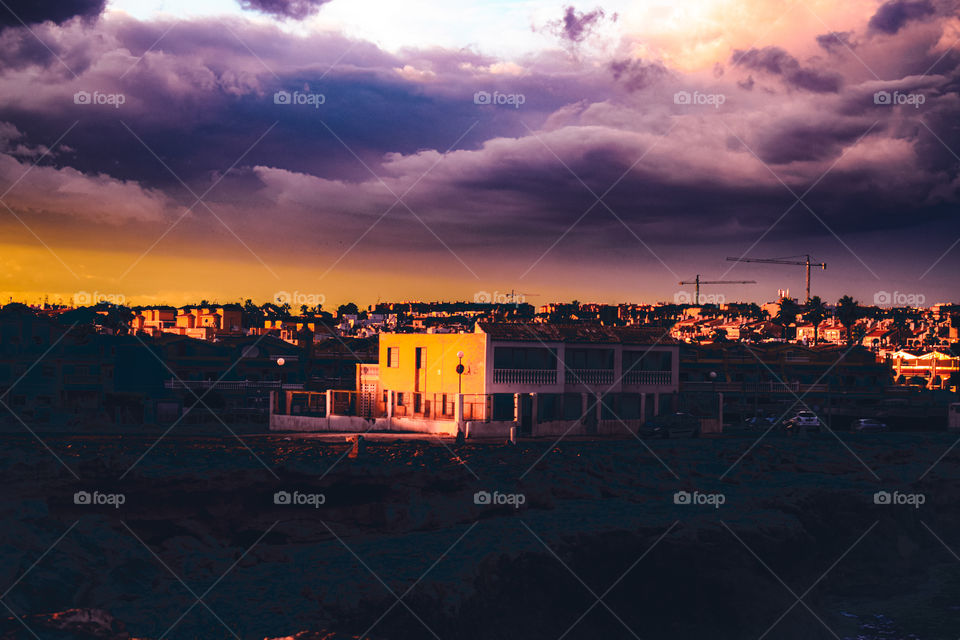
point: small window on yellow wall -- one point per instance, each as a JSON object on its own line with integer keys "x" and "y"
{"x": 392, "y": 357}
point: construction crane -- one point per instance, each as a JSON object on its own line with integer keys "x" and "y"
{"x": 517, "y": 297}
{"x": 697, "y": 281}
{"x": 806, "y": 263}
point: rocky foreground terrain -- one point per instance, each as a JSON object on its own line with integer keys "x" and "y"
{"x": 201, "y": 537}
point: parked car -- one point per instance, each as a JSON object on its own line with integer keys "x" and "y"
{"x": 671, "y": 425}
{"x": 759, "y": 422}
{"x": 869, "y": 424}
{"x": 803, "y": 421}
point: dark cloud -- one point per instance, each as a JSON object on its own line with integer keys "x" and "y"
{"x": 776, "y": 61}
{"x": 296, "y": 9}
{"x": 836, "y": 41}
{"x": 18, "y": 12}
{"x": 576, "y": 26}
{"x": 802, "y": 142}
{"x": 636, "y": 74}
{"x": 894, "y": 14}
{"x": 217, "y": 99}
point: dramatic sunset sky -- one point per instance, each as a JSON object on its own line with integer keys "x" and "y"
{"x": 145, "y": 151}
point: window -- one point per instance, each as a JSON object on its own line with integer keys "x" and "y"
{"x": 503, "y": 406}
{"x": 572, "y": 406}
{"x": 524, "y": 358}
{"x": 549, "y": 406}
{"x": 421, "y": 358}
{"x": 393, "y": 354}
{"x": 647, "y": 361}
{"x": 590, "y": 358}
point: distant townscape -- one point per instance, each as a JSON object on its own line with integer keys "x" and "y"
{"x": 476, "y": 368}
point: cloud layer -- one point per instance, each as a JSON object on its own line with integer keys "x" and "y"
{"x": 327, "y": 145}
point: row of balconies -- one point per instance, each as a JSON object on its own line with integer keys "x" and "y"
{"x": 548, "y": 377}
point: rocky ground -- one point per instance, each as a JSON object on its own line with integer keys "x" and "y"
{"x": 780, "y": 539}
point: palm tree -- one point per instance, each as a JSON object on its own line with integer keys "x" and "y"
{"x": 814, "y": 312}
{"x": 787, "y": 315}
{"x": 848, "y": 312}
{"x": 349, "y": 308}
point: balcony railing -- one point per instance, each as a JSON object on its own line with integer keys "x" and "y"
{"x": 589, "y": 376}
{"x": 580, "y": 377}
{"x": 229, "y": 385}
{"x": 525, "y": 376}
{"x": 648, "y": 377}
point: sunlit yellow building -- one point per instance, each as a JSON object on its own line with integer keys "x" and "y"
{"x": 543, "y": 379}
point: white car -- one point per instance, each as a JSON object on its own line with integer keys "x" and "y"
{"x": 804, "y": 420}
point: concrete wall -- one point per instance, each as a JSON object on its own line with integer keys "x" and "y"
{"x": 489, "y": 429}
{"x": 350, "y": 424}
{"x": 439, "y": 427}
{"x": 354, "y": 424}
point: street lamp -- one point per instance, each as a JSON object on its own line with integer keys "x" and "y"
{"x": 460, "y": 372}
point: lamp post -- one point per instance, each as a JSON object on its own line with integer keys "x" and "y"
{"x": 460, "y": 370}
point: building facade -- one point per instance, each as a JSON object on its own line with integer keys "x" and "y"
{"x": 543, "y": 379}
